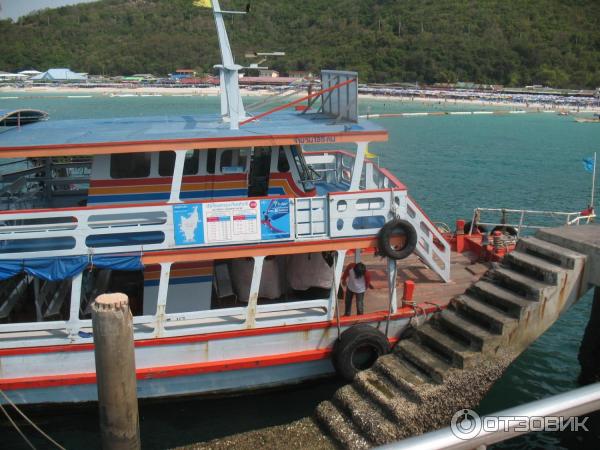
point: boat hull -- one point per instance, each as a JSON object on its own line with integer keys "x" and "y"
{"x": 189, "y": 365}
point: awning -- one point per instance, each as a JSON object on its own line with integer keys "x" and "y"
{"x": 60, "y": 268}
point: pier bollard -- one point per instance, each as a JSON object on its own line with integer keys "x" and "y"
{"x": 115, "y": 372}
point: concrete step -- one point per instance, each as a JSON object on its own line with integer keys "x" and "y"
{"x": 365, "y": 415}
{"x": 458, "y": 354}
{"x": 520, "y": 284}
{"x": 340, "y": 427}
{"x": 425, "y": 359}
{"x": 537, "y": 268}
{"x": 553, "y": 253}
{"x": 478, "y": 338}
{"x": 382, "y": 391}
{"x": 403, "y": 376}
{"x": 495, "y": 320}
{"x": 511, "y": 303}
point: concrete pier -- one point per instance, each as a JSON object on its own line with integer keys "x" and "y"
{"x": 451, "y": 361}
{"x": 115, "y": 372}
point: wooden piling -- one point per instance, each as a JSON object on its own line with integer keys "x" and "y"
{"x": 590, "y": 345}
{"x": 115, "y": 372}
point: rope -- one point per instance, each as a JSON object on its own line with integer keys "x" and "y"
{"x": 17, "y": 427}
{"x": 29, "y": 421}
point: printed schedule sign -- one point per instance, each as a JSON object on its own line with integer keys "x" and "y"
{"x": 232, "y": 222}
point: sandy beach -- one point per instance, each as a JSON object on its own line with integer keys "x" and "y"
{"x": 76, "y": 91}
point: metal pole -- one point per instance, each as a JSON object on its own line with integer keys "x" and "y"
{"x": 593, "y": 181}
{"x": 115, "y": 372}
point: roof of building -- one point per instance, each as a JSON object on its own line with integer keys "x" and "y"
{"x": 97, "y": 136}
{"x": 267, "y": 80}
{"x": 60, "y": 75}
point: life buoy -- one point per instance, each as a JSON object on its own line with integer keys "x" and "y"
{"x": 357, "y": 349}
{"x": 512, "y": 231}
{"x": 393, "y": 228}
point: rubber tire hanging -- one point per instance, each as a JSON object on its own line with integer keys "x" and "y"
{"x": 384, "y": 239}
{"x": 360, "y": 337}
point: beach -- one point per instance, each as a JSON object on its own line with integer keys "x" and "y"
{"x": 428, "y": 97}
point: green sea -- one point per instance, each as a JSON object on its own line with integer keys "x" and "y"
{"x": 451, "y": 164}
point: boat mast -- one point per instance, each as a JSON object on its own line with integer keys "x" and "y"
{"x": 232, "y": 107}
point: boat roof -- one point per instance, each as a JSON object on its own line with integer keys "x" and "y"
{"x": 185, "y": 132}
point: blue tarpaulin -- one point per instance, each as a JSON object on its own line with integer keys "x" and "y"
{"x": 60, "y": 268}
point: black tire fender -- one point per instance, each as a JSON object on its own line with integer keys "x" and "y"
{"x": 384, "y": 239}
{"x": 482, "y": 229}
{"x": 357, "y": 349}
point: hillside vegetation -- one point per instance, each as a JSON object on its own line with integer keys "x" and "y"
{"x": 510, "y": 42}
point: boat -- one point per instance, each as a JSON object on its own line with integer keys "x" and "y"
{"x": 229, "y": 234}
{"x": 595, "y": 119}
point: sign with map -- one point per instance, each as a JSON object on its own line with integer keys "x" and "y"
{"x": 188, "y": 224}
{"x": 232, "y": 222}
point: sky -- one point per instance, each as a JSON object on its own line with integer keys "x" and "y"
{"x": 16, "y": 8}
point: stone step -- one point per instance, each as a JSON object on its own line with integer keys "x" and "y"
{"x": 535, "y": 267}
{"x": 553, "y": 253}
{"x": 382, "y": 391}
{"x": 456, "y": 352}
{"x": 365, "y": 415}
{"x": 498, "y": 322}
{"x": 340, "y": 427}
{"x": 478, "y": 338}
{"x": 520, "y": 284}
{"x": 424, "y": 358}
{"x": 513, "y": 304}
{"x": 401, "y": 375}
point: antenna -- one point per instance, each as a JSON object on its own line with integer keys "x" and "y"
{"x": 232, "y": 106}
{"x": 263, "y": 56}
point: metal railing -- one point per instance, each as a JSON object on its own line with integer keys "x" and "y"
{"x": 570, "y": 404}
{"x": 519, "y": 219}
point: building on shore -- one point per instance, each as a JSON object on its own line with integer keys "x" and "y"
{"x": 60, "y": 75}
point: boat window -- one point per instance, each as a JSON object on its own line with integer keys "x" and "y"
{"x": 166, "y": 163}
{"x": 234, "y": 161}
{"x": 99, "y": 281}
{"x": 211, "y": 158}
{"x": 283, "y": 164}
{"x": 29, "y": 299}
{"x": 226, "y": 158}
{"x": 300, "y": 163}
{"x": 129, "y": 165}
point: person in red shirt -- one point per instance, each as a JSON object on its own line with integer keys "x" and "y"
{"x": 358, "y": 280}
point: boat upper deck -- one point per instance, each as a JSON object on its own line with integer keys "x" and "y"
{"x": 140, "y": 134}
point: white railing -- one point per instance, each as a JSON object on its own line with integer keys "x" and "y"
{"x": 523, "y": 219}
{"x": 360, "y": 213}
{"x": 311, "y": 217}
{"x": 81, "y": 231}
{"x": 431, "y": 245}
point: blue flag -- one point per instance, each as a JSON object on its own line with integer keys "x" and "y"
{"x": 588, "y": 164}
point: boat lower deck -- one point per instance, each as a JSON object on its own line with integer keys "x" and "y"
{"x": 429, "y": 291}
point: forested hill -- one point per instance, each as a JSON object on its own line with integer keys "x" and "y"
{"x": 511, "y": 42}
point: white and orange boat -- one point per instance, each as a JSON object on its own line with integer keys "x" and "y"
{"x": 228, "y": 233}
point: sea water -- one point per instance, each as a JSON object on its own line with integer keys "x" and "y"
{"x": 450, "y": 164}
